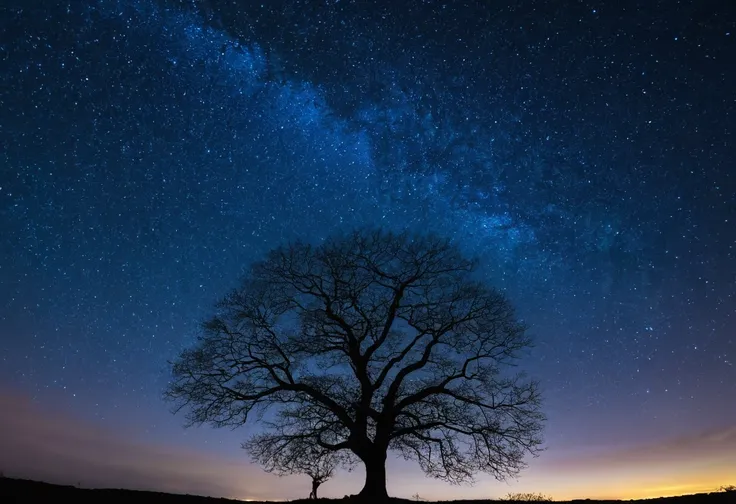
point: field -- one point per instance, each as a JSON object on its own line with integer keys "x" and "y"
{"x": 26, "y": 491}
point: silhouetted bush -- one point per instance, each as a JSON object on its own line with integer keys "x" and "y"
{"x": 527, "y": 497}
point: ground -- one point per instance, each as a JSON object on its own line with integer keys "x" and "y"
{"x": 14, "y": 491}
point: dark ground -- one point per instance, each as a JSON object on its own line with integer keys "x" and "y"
{"x": 26, "y": 491}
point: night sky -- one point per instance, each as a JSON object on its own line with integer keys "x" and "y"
{"x": 584, "y": 151}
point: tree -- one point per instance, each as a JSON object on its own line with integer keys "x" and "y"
{"x": 367, "y": 343}
{"x": 317, "y": 479}
{"x": 284, "y": 455}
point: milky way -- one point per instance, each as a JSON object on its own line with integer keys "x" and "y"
{"x": 584, "y": 153}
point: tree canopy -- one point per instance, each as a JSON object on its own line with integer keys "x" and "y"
{"x": 367, "y": 343}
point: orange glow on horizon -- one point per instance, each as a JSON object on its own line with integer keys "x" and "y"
{"x": 59, "y": 449}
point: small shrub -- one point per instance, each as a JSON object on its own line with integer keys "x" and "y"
{"x": 728, "y": 488}
{"x": 527, "y": 497}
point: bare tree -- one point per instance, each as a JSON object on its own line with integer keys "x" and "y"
{"x": 283, "y": 454}
{"x": 319, "y": 474}
{"x": 367, "y": 343}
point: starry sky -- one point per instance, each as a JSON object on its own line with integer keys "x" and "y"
{"x": 584, "y": 151}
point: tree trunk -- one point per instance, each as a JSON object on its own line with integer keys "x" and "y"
{"x": 374, "y": 489}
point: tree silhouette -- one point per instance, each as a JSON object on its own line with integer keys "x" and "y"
{"x": 369, "y": 342}
{"x": 284, "y": 455}
{"x": 319, "y": 474}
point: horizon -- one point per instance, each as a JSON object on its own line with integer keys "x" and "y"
{"x": 41, "y": 434}
{"x": 583, "y": 153}
{"x": 723, "y": 489}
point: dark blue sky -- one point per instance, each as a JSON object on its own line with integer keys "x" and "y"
{"x": 584, "y": 151}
